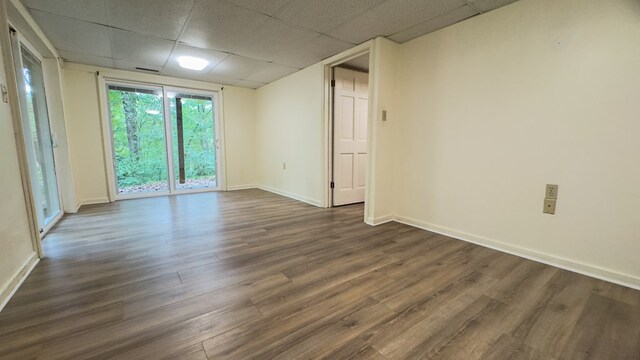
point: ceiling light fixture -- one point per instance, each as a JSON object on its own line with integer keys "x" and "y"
{"x": 192, "y": 63}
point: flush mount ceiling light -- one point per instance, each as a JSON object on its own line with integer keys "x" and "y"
{"x": 192, "y": 63}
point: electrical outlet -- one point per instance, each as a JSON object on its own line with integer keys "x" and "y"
{"x": 551, "y": 192}
{"x": 549, "y": 206}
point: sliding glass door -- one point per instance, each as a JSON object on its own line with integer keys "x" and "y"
{"x": 193, "y": 138}
{"x": 37, "y": 134}
{"x": 163, "y": 140}
{"x": 138, "y": 139}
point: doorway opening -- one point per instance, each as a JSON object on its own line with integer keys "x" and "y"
{"x": 349, "y": 118}
{"x": 163, "y": 140}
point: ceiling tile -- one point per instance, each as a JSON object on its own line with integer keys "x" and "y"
{"x": 239, "y": 67}
{"x": 219, "y": 25}
{"x": 268, "y": 7}
{"x": 274, "y": 38}
{"x": 75, "y": 35}
{"x": 488, "y": 5}
{"x": 132, "y": 65}
{"x": 212, "y": 56}
{"x": 134, "y": 47}
{"x": 160, "y": 18}
{"x": 220, "y": 79}
{"x": 271, "y": 72}
{"x": 325, "y": 15}
{"x": 91, "y": 10}
{"x": 249, "y": 84}
{"x": 312, "y": 51}
{"x": 391, "y": 17}
{"x": 434, "y": 24}
{"x": 87, "y": 59}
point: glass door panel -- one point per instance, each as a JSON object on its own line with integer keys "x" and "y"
{"x": 138, "y": 137}
{"x": 37, "y": 133}
{"x": 194, "y": 141}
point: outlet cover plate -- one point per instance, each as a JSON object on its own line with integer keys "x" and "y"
{"x": 551, "y": 191}
{"x": 549, "y": 206}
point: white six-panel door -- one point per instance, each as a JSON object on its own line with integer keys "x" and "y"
{"x": 350, "y": 114}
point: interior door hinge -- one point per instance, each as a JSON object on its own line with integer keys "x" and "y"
{"x": 333, "y": 83}
{"x": 333, "y": 185}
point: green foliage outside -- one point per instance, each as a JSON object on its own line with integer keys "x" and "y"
{"x": 139, "y": 139}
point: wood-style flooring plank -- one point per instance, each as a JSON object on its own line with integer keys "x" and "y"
{"x": 252, "y": 275}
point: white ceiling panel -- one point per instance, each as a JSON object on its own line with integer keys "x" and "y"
{"x": 160, "y": 18}
{"x": 239, "y": 67}
{"x": 488, "y": 5}
{"x": 275, "y": 37}
{"x": 133, "y": 65}
{"x": 434, "y": 24}
{"x": 219, "y": 25}
{"x": 268, "y": 7}
{"x": 391, "y": 17}
{"x": 88, "y": 10}
{"x": 198, "y": 75}
{"x": 247, "y": 42}
{"x": 249, "y": 84}
{"x": 75, "y": 35}
{"x": 271, "y": 72}
{"x": 212, "y": 56}
{"x": 132, "y": 46}
{"x": 312, "y": 51}
{"x": 325, "y": 15}
{"x": 79, "y": 58}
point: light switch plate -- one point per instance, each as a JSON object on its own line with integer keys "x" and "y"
{"x": 549, "y": 206}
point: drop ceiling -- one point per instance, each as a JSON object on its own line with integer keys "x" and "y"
{"x": 248, "y": 43}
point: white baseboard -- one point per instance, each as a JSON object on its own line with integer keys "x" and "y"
{"x": 291, "y": 195}
{"x": 17, "y": 279}
{"x": 553, "y": 260}
{"x": 379, "y": 220}
{"x": 242, "y": 187}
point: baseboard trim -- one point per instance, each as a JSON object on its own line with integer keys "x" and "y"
{"x": 18, "y": 278}
{"x": 552, "y": 260}
{"x": 379, "y": 220}
{"x": 291, "y": 195}
{"x": 241, "y": 187}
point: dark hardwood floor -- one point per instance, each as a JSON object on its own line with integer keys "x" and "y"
{"x": 252, "y": 275}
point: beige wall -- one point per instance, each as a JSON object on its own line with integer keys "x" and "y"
{"x": 80, "y": 86}
{"x": 80, "y": 92}
{"x": 240, "y": 133}
{"x": 16, "y": 248}
{"x": 290, "y": 125}
{"x": 537, "y": 92}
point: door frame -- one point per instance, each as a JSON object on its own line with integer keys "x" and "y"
{"x": 23, "y": 41}
{"x": 107, "y": 135}
{"x": 329, "y": 64}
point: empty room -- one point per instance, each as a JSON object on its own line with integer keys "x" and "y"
{"x": 320, "y": 179}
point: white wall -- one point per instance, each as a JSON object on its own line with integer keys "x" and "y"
{"x": 382, "y": 175}
{"x": 495, "y": 107}
{"x": 290, "y": 124}
{"x": 16, "y": 249}
{"x": 80, "y": 88}
{"x": 80, "y": 92}
{"x": 240, "y": 132}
